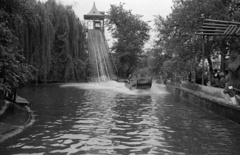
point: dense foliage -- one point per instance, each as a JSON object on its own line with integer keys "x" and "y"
{"x": 41, "y": 41}
{"x": 130, "y": 34}
{"x": 178, "y": 46}
{"x": 52, "y": 39}
{"x": 55, "y": 43}
{"x": 14, "y": 70}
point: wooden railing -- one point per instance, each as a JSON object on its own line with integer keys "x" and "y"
{"x": 10, "y": 95}
{"x": 111, "y": 57}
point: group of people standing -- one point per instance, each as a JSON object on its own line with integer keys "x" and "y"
{"x": 220, "y": 80}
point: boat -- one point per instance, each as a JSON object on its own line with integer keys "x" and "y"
{"x": 139, "y": 83}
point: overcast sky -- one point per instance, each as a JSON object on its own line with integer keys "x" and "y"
{"x": 147, "y": 8}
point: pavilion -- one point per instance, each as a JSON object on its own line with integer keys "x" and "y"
{"x": 95, "y": 18}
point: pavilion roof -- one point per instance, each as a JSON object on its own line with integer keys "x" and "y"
{"x": 94, "y": 14}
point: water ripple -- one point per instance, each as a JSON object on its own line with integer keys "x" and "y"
{"x": 100, "y": 120}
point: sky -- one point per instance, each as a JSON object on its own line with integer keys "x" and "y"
{"x": 147, "y": 8}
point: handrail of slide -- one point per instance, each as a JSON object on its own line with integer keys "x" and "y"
{"x": 110, "y": 53}
{"x": 104, "y": 59}
{"x": 95, "y": 57}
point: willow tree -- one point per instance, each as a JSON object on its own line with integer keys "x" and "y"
{"x": 55, "y": 43}
{"x": 67, "y": 51}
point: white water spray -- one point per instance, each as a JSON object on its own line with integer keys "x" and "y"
{"x": 118, "y": 87}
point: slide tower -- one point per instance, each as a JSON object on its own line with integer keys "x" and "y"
{"x": 101, "y": 65}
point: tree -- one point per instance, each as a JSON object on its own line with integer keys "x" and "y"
{"x": 47, "y": 36}
{"x": 130, "y": 33}
{"x": 14, "y": 70}
{"x": 55, "y": 43}
{"x": 176, "y": 33}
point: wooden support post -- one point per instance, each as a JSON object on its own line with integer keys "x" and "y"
{"x": 203, "y": 59}
{"x": 203, "y": 53}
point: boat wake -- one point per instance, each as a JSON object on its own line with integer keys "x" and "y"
{"x": 119, "y": 87}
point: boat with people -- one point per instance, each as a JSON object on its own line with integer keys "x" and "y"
{"x": 139, "y": 83}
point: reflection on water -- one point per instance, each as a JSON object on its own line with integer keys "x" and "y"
{"x": 110, "y": 119}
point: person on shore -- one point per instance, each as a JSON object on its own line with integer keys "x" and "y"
{"x": 216, "y": 78}
{"x": 231, "y": 92}
{"x": 224, "y": 78}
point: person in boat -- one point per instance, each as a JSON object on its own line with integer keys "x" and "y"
{"x": 133, "y": 78}
{"x": 129, "y": 77}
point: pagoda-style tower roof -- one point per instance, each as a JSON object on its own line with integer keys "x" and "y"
{"x": 94, "y": 14}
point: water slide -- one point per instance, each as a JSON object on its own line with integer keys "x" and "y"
{"x": 101, "y": 66}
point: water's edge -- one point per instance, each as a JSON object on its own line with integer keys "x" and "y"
{"x": 10, "y": 129}
{"x": 219, "y": 106}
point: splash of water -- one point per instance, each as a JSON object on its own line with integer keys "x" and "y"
{"x": 118, "y": 87}
{"x": 103, "y": 78}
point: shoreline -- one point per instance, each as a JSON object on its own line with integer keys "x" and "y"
{"x": 203, "y": 99}
{"x": 8, "y": 126}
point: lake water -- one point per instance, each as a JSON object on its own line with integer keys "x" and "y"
{"x": 109, "y": 119}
